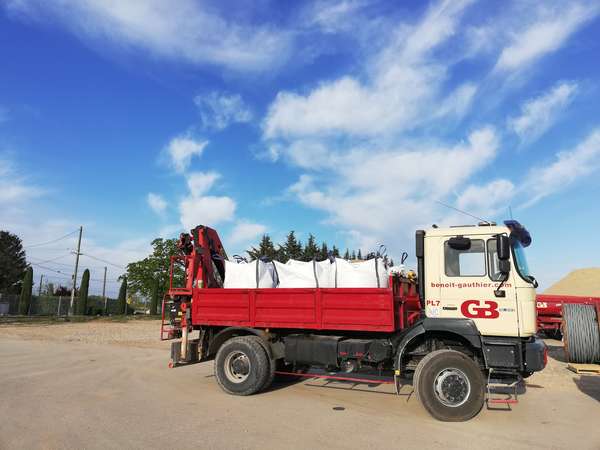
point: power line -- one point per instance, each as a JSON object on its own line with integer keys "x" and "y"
{"x": 103, "y": 260}
{"x": 52, "y": 241}
{"x": 52, "y": 259}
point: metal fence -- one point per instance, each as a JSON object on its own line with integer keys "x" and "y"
{"x": 56, "y": 306}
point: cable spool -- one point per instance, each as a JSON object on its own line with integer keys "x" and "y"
{"x": 581, "y": 334}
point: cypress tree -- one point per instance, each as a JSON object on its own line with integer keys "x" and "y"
{"x": 83, "y": 293}
{"x": 311, "y": 250}
{"x": 154, "y": 300}
{"x": 359, "y": 255}
{"x": 292, "y": 249}
{"x": 122, "y": 302}
{"x": 347, "y": 255}
{"x": 335, "y": 252}
{"x": 324, "y": 253}
{"x": 265, "y": 249}
{"x": 27, "y": 285}
{"x": 353, "y": 257}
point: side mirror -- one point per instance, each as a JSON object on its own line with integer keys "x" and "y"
{"x": 503, "y": 247}
{"x": 459, "y": 243}
{"x": 504, "y": 266}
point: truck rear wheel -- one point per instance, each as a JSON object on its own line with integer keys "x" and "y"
{"x": 450, "y": 385}
{"x": 242, "y": 366}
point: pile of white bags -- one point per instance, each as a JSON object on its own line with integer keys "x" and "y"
{"x": 253, "y": 274}
{"x": 312, "y": 274}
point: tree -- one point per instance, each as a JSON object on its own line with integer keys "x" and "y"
{"x": 292, "y": 249}
{"x": 311, "y": 250}
{"x": 155, "y": 298}
{"x": 49, "y": 291}
{"x": 12, "y": 263}
{"x": 142, "y": 275}
{"x": 324, "y": 253}
{"x": 347, "y": 255}
{"x": 122, "y": 301}
{"x": 335, "y": 252}
{"x": 26, "y": 286}
{"x": 359, "y": 255}
{"x": 265, "y": 249}
{"x": 353, "y": 257}
{"x": 62, "y": 291}
{"x": 83, "y": 293}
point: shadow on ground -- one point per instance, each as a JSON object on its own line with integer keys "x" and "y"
{"x": 589, "y": 385}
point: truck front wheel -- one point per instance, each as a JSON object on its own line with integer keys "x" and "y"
{"x": 242, "y": 366}
{"x": 450, "y": 385}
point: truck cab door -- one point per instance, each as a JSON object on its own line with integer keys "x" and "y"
{"x": 468, "y": 278}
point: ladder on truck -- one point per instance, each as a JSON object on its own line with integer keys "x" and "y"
{"x": 507, "y": 401}
{"x": 170, "y": 326}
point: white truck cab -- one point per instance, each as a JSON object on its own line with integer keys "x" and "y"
{"x": 465, "y": 278}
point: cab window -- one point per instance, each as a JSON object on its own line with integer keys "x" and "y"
{"x": 465, "y": 263}
{"x": 493, "y": 262}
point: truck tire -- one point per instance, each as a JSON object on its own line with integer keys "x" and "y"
{"x": 272, "y": 363}
{"x": 242, "y": 366}
{"x": 450, "y": 385}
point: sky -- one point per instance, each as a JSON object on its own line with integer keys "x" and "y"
{"x": 355, "y": 120}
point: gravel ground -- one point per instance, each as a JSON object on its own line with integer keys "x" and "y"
{"x": 131, "y": 333}
{"x": 106, "y": 385}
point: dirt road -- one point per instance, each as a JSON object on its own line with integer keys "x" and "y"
{"x": 107, "y": 385}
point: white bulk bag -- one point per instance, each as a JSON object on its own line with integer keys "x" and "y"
{"x": 327, "y": 273}
{"x": 244, "y": 275}
{"x": 370, "y": 273}
{"x": 297, "y": 274}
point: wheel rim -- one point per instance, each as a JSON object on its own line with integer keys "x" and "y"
{"x": 237, "y": 367}
{"x": 452, "y": 387}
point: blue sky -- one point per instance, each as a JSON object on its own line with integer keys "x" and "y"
{"x": 350, "y": 120}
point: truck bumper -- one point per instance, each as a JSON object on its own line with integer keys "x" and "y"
{"x": 536, "y": 355}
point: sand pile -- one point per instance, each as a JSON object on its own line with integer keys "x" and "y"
{"x": 584, "y": 282}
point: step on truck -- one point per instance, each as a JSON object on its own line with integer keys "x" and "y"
{"x": 464, "y": 324}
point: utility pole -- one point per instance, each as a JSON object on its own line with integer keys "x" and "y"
{"x": 75, "y": 272}
{"x": 40, "y": 287}
{"x": 104, "y": 291}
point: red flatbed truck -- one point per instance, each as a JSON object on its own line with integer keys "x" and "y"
{"x": 467, "y": 320}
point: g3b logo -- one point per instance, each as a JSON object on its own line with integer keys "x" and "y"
{"x": 475, "y": 310}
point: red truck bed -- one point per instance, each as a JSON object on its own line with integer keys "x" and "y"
{"x": 354, "y": 309}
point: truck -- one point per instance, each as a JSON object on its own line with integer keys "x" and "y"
{"x": 466, "y": 323}
{"x": 550, "y": 311}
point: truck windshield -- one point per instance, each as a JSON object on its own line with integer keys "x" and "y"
{"x": 520, "y": 260}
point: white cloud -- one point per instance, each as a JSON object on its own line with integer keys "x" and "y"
{"x": 380, "y": 194}
{"x": 200, "y": 209}
{"x": 218, "y": 110}
{"x": 15, "y": 189}
{"x": 540, "y": 113}
{"x": 181, "y": 149}
{"x": 485, "y": 201}
{"x": 201, "y": 182}
{"x": 569, "y": 167}
{"x": 244, "y": 232}
{"x": 207, "y": 210}
{"x": 549, "y": 31}
{"x": 332, "y": 17}
{"x": 156, "y": 202}
{"x": 401, "y": 85}
{"x": 186, "y": 30}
